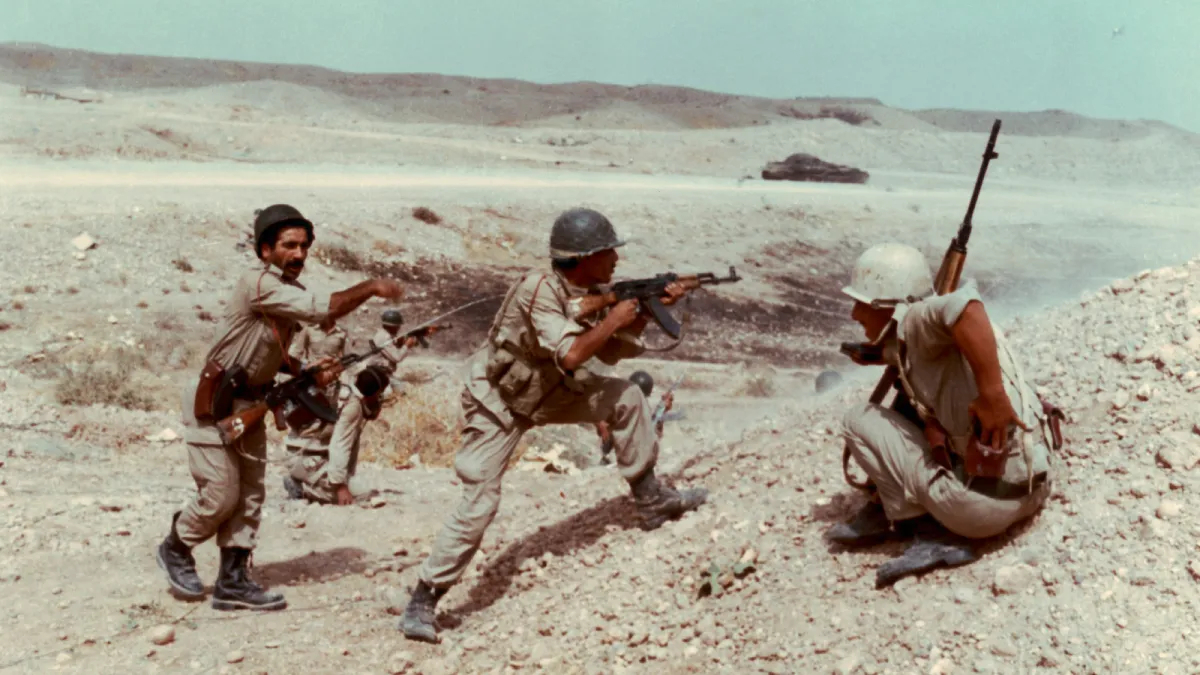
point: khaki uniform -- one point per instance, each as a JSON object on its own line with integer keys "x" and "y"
{"x": 229, "y": 480}
{"x": 515, "y": 382}
{"x": 390, "y": 357}
{"x": 895, "y": 454}
{"x": 327, "y": 457}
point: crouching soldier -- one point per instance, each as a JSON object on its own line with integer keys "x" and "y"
{"x": 323, "y": 460}
{"x": 963, "y": 453}
{"x": 530, "y": 372}
{"x": 264, "y": 311}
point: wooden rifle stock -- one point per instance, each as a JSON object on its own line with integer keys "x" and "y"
{"x": 232, "y": 428}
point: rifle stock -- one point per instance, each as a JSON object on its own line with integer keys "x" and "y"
{"x": 232, "y": 428}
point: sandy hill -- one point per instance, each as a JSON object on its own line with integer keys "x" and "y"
{"x": 422, "y": 97}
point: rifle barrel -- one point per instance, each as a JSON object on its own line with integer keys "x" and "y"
{"x": 964, "y": 231}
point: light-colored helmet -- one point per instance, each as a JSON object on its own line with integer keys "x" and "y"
{"x": 890, "y": 274}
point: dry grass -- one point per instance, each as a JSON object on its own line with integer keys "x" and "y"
{"x": 107, "y": 379}
{"x": 758, "y": 381}
{"x": 424, "y": 420}
{"x": 183, "y": 265}
{"x": 341, "y": 258}
{"x": 847, "y": 115}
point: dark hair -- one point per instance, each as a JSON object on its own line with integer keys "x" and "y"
{"x": 271, "y": 235}
{"x": 564, "y": 263}
{"x": 371, "y": 380}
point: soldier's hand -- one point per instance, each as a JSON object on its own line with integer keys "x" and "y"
{"x": 992, "y": 414}
{"x": 624, "y": 313}
{"x": 344, "y": 497}
{"x": 388, "y": 289}
{"x": 675, "y": 291}
{"x": 330, "y": 370}
{"x": 410, "y": 341}
{"x": 668, "y": 400}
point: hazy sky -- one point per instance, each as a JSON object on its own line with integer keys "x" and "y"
{"x": 1007, "y": 54}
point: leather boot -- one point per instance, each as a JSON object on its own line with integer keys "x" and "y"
{"x": 420, "y": 616}
{"x": 175, "y": 558}
{"x": 658, "y": 503}
{"x": 870, "y": 526}
{"x": 234, "y": 588}
{"x": 933, "y": 547}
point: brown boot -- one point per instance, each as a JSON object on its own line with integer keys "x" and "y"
{"x": 658, "y": 503}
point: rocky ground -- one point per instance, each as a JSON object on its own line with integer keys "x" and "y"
{"x": 100, "y": 333}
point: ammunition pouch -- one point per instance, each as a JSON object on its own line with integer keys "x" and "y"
{"x": 217, "y": 390}
{"x": 522, "y": 387}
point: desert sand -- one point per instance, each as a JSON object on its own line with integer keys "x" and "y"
{"x": 1084, "y": 247}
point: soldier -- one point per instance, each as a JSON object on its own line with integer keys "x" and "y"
{"x": 391, "y": 356}
{"x": 318, "y": 341}
{"x": 646, "y": 383}
{"x": 531, "y": 371}
{"x": 957, "y": 374}
{"x": 323, "y": 463}
{"x": 264, "y": 312}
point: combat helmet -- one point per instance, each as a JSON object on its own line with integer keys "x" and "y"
{"x": 890, "y": 274}
{"x": 581, "y": 232}
{"x": 392, "y": 317}
{"x": 275, "y": 216}
{"x": 643, "y": 380}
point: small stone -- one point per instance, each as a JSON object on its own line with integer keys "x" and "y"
{"x": 1120, "y": 400}
{"x": 1168, "y": 510}
{"x": 162, "y": 635}
{"x": 1013, "y": 579}
{"x": 400, "y": 663}
{"x": 83, "y": 242}
{"x": 235, "y": 656}
{"x": 942, "y": 667}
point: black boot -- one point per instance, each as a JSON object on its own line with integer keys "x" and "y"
{"x": 175, "y": 558}
{"x": 933, "y": 547}
{"x": 657, "y": 503}
{"x": 870, "y": 526}
{"x": 419, "y": 620}
{"x": 234, "y": 588}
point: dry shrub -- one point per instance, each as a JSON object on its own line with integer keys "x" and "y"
{"x": 340, "y": 258}
{"x": 425, "y": 420}
{"x": 758, "y": 381}
{"x": 183, "y": 265}
{"x": 107, "y": 379}
{"x": 426, "y": 215}
{"x": 847, "y": 115}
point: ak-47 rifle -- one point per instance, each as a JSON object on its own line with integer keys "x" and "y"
{"x": 648, "y": 293}
{"x": 298, "y": 402}
{"x": 946, "y": 281}
{"x": 660, "y": 410}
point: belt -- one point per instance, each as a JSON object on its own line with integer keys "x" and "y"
{"x": 998, "y": 488}
{"x": 253, "y": 392}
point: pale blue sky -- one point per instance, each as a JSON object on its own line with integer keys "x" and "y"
{"x": 1007, "y": 54}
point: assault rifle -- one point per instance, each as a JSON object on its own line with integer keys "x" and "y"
{"x": 648, "y": 292}
{"x": 299, "y": 401}
{"x": 660, "y": 410}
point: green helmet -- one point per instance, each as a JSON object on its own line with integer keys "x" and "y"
{"x": 581, "y": 232}
{"x": 392, "y": 317}
{"x": 827, "y": 380}
{"x": 274, "y": 217}
{"x": 643, "y": 380}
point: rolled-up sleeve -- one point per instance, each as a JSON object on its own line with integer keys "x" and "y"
{"x": 622, "y": 345}
{"x": 556, "y": 332}
{"x": 930, "y": 323}
{"x": 278, "y": 299}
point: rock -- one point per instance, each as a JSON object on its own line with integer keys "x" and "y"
{"x": 1120, "y": 400}
{"x": 848, "y": 665}
{"x": 165, "y": 436}
{"x": 1013, "y": 579}
{"x": 162, "y": 635}
{"x": 804, "y": 167}
{"x": 942, "y": 667}
{"x": 1168, "y": 510}
{"x": 83, "y": 242}
{"x": 400, "y": 663}
{"x": 235, "y": 656}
